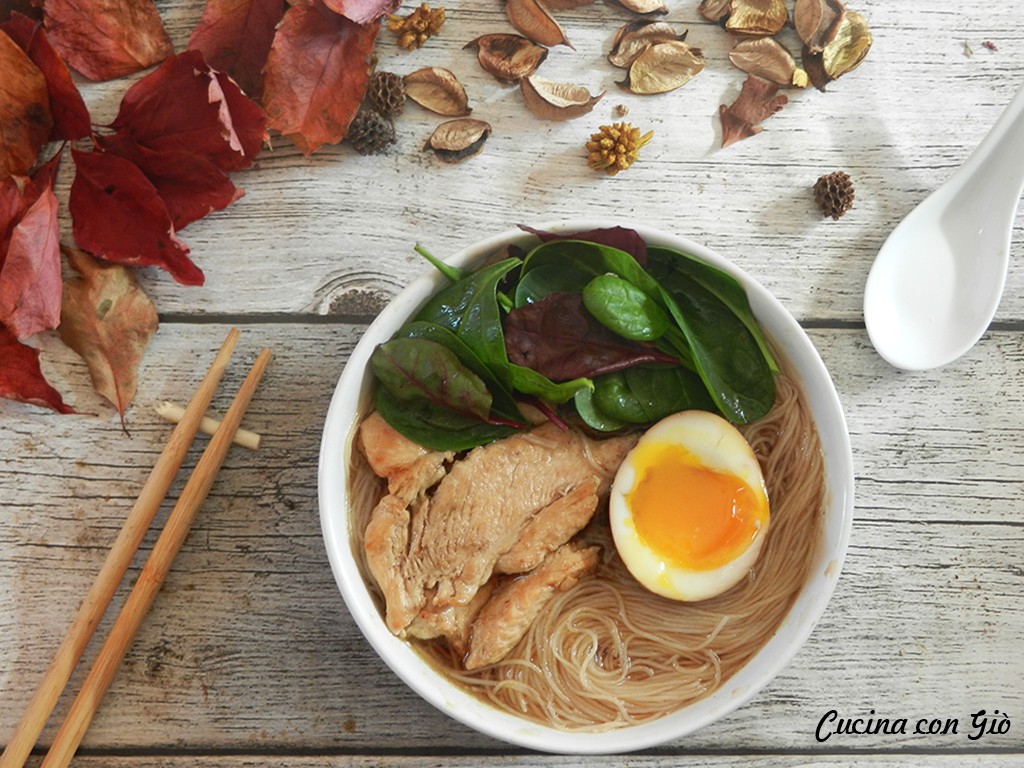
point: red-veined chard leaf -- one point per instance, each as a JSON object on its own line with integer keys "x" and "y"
{"x": 559, "y": 339}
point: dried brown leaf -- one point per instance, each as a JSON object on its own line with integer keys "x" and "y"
{"x": 715, "y": 10}
{"x": 566, "y": 5}
{"x": 439, "y": 90}
{"x": 663, "y": 67}
{"x": 817, "y": 21}
{"x": 849, "y": 47}
{"x": 635, "y": 37}
{"x": 459, "y": 139}
{"x": 767, "y": 58}
{"x": 556, "y": 101}
{"x": 533, "y": 19}
{"x": 508, "y": 57}
{"x": 644, "y": 7}
{"x": 108, "y": 320}
{"x": 757, "y": 17}
{"x": 758, "y": 100}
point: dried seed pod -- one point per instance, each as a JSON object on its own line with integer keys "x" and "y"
{"x": 663, "y": 67}
{"x": 845, "y": 53}
{"x": 636, "y": 36}
{"x": 644, "y": 7}
{"x": 386, "y": 93}
{"x": 533, "y": 19}
{"x": 715, "y": 10}
{"x": 456, "y": 140}
{"x": 834, "y": 193}
{"x": 439, "y": 90}
{"x": 370, "y": 132}
{"x": 849, "y": 47}
{"x": 556, "y": 101}
{"x": 757, "y": 17}
{"x": 817, "y": 21}
{"x": 508, "y": 57}
{"x": 767, "y": 58}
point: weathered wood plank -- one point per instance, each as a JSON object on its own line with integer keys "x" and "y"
{"x": 539, "y": 761}
{"x": 308, "y": 235}
{"x": 250, "y": 646}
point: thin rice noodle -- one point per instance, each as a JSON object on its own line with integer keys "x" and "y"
{"x": 609, "y": 653}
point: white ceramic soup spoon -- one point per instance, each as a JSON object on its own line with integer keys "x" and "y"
{"x": 938, "y": 278}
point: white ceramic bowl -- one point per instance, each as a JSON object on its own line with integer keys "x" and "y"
{"x": 350, "y": 401}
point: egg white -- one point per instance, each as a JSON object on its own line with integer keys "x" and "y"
{"x": 717, "y": 445}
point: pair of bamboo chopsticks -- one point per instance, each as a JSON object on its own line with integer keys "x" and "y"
{"x": 112, "y": 572}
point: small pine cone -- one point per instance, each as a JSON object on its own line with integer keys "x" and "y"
{"x": 370, "y": 132}
{"x": 387, "y": 93}
{"x": 834, "y": 193}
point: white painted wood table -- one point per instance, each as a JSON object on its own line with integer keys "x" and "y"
{"x": 249, "y": 656}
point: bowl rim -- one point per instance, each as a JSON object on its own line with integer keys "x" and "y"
{"x": 749, "y": 680}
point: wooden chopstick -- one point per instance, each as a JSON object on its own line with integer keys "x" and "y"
{"x": 139, "y": 600}
{"x": 116, "y": 564}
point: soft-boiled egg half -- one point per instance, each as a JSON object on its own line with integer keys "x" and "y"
{"x": 688, "y": 507}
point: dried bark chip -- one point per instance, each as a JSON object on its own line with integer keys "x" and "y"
{"x": 459, "y": 139}
{"x": 439, "y": 90}
{"x": 533, "y": 19}
{"x": 758, "y": 100}
{"x": 663, "y": 67}
{"x": 507, "y": 56}
{"x": 549, "y": 100}
{"x": 634, "y": 38}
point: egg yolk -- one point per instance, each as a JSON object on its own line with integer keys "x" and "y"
{"x": 691, "y": 515}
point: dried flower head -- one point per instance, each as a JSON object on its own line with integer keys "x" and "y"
{"x": 615, "y": 147}
{"x": 834, "y": 193}
{"x": 416, "y": 28}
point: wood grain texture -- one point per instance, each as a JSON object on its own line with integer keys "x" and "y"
{"x": 249, "y": 657}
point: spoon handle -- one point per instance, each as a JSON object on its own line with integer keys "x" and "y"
{"x": 997, "y": 164}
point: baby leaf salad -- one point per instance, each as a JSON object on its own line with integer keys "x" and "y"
{"x": 597, "y": 325}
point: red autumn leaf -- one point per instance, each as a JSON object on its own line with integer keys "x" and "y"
{"x": 70, "y": 115}
{"x": 316, "y": 74}
{"x": 234, "y": 36}
{"x": 105, "y": 39}
{"x": 557, "y": 337}
{"x": 108, "y": 320}
{"x": 30, "y": 282}
{"x": 118, "y": 216}
{"x": 191, "y": 185}
{"x": 363, "y": 11}
{"x": 28, "y": 8}
{"x": 185, "y": 105}
{"x": 25, "y": 119}
{"x": 22, "y": 379}
{"x": 757, "y": 101}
